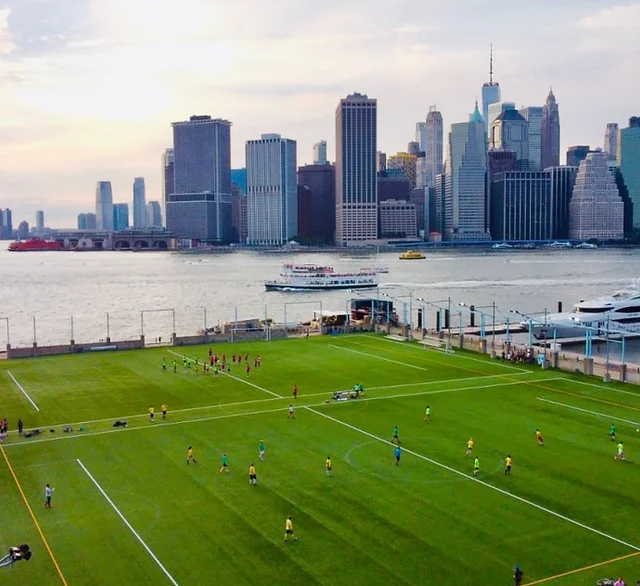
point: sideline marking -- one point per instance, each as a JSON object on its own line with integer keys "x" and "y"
{"x": 302, "y": 396}
{"x": 33, "y": 517}
{"x": 250, "y": 413}
{"x": 13, "y": 378}
{"x": 587, "y": 411}
{"x": 589, "y": 398}
{"x": 379, "y": 357}
{"x": 475, "y": 479}
{"x": 585, "y": 568}
{"x": 241, "y": 380}
{"x": 124, "y": 520}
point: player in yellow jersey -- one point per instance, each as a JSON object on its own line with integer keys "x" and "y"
{"x": 288, "y": 530}
{"x": 190, "y": 457}
{"x": 164, "y": 411}
{"x": 507, "y": 463}
{"x": 327, "y": 465}
{"x": 470, "y": 445}
{"x": 539, "y": 437}
{"x": 252, "y": 474}
{"x": 151, "y": 414}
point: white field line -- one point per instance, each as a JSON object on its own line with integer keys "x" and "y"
{"x": 13, "y": 378}
{"x": 241, "y": 380}
{"x": 474, "y": 479}
{"x": 612, "y": 389}
{"x": 254, "y": 401}
{"x": 124, "y": 520}
{"x": 459, "y": 356}
{"x": 250, "y": 413}
{"x": 409, "y": 365}
{"x": 587, "y": 411}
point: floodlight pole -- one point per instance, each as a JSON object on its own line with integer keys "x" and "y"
{"x": 108, "y": 334}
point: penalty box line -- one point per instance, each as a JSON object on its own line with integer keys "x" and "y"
{"x": 21, "y": 388}
{"x": 474, "y": 479}
{"x": 246, "y": 382}
{"x": 128, "y": 525}
{"x": 263, "y": 411}
{"x": 587, "y": 411}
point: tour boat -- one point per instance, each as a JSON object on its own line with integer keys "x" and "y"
{"x": 35, "y": 245}
{"x": 309, "y": 277}
{"x": 412, "y": 255}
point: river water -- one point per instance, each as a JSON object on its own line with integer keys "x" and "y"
{"x": 72, "y": 293}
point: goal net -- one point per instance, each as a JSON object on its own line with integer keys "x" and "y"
{"x": 248, "y": 334}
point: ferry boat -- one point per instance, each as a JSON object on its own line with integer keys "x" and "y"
{"x": 309, "y": 277}
{"x": 35, "y": 245}
{"x": 412, "y": 255}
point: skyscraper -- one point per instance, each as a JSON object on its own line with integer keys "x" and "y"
{"x": 434, "y": 145}
{"x": 465, "y": 182}
{"x": 405, "y": 162}
{"x": 495, "y": 110}
{"x": 39, "y": 220}
{"x": 596, "y": 209}
{"x": 577, "y": 153}
{"x": 154, "y": 214}
{"x": 611, "y": 140}
{"x": 272, "y": 190}
{"x": 200, "y": 205}
{"x": 139, "y": 203}
{"x": 120, "y": 216}
{"x": 533, "y": 115}
{"x": 510, "y": 131}
{"x": 319, "y": 219}
{"x": 550, "y": 133}
{"x": 104, "y": 206}
{"x": 356, "y": 186}
{"x": 381, "y": 161}
{"x": 320, "y": 153}
{"x": 628, "y": 161}
{"x": 168, "y": 182}
{"x": 562, "y": 181}
{"x": 490, "y": 93}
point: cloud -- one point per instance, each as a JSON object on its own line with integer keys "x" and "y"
{"x": 7, "y": 44}
{"x": 626, "y": 17}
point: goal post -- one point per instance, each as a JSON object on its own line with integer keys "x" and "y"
{"x": 249, "y": 334}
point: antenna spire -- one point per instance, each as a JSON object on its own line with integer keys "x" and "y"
{"x": 491, "y": 64}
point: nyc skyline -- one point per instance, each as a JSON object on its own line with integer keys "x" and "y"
{"x": 90, "y": 87}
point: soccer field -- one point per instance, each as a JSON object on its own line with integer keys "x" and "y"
{"x": 128, "y": 510}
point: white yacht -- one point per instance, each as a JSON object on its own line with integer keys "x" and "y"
{"x": 313, "y": 277}
{"x": 617, "y": 312}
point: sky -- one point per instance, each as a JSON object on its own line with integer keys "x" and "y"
{"x": 88, "y": 88}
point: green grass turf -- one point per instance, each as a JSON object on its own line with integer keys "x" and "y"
{"x": 566, "y": 506}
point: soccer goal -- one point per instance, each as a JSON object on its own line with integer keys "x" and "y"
{"x": 249, "y": 334}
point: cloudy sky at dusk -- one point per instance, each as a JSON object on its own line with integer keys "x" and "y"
{"x": 89, "y": 87}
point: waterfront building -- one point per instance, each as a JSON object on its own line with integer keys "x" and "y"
{"x": 320, "y": 153}
{"x": 596, "y": 209}
{"x": 154, "y": 214}
{"x": 405, "y": 162}
{"x": 398, "y": 219}
{"x": 317, "y": 215}
{"x": 23, "y": 230}
{"x": 139, "y": 203}
{"x": 550, "y": 133}
{"x": 82, "y": 221}
{"x": 381, "y": 161}
{"x": 520, "y": 206}
{"x": 199, "y": 208}
{"x": 393, "y": 184}
{"x": 272, "y": 190}
{"x": 611, "y": 140}
{"x": 495, "y": 110}
{"x": 6, "y": 223}
{"x": 576, "y": 154}
{"x": 561, "y": 182}
{"x": 500, "y": 161}
{"x": 356, "y": 184}
{"x": 104, "y": 206}
{"x": 239, "y": 221}
{"x": 120, "y": 217}
{"x": 629, "y": 163}
{"x": 510, "y": 131}
{"x": 533, "y": 115}
{"x": 465, "y": 181}
{"x": 490, "y": 94}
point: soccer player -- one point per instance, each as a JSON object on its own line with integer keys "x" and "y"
{"x": 261, "y": 449}
{"x": 620, "y": 454}
{"x": 295, "y": 391}
{"x": 48, "y": 493}
{"x": 612, "y": 432}
{"x": 175, "y": 366}
{"x": 507, "y": 462}
{"x": 427, "y": 413}
{"x": 164, "y": 364}
{"x": 290, "y": 414}
{"x": 327, "y": 466}
{"x": 517, "y": 576}
{"x": 164, "y": 411}
{"x": 190, "y": 457}
{"x": 151, "y": 414}
{"x": 184, "y": 363}
{"x": 476, "y": 466}
{"x": 397, "y": 453}
{"x": 248, "y": 369}
{"x": 225, "y": 463}
{"x": 252, "y": 474}
{"x": 395, "y": 437}
{"x": 470, "y": 445}
{"x": 539, "y": 438}
{"x": 288, "y": 529}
